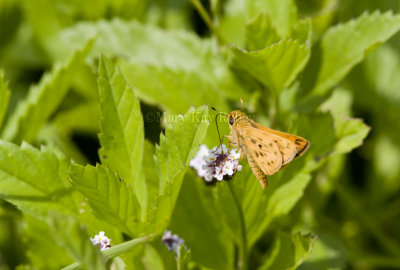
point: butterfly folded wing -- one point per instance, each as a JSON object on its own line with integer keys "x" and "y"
{"x": 264, "y": 151}
{"x": 301, "y": 144}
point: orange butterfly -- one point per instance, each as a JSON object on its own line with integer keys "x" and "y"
{"x": 267, "y": 150}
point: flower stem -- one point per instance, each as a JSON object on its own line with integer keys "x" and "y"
{"x": 207, "y": 19}
{"x": 116, "y": 250}
{"x": 242, "y": 263}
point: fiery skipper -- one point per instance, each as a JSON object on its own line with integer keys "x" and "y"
{"x": 267, "y": 150}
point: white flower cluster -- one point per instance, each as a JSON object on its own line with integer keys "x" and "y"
{"x": 172, "y": 241}
{"x": 216, "y": 163}
{"x": 102, "y": 241}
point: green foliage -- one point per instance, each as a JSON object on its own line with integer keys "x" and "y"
{"x": 103, "y": 105}
{"x": 121, "y": 125}
{"x": 288, "y": 251}
{"x": 283, "y": 14}
{"x": 102, "y": 187}
{"x": 275, "y": 66}
{"x": 34, "y": 180}
{"x": 4, "y": 97}
{"x": 43, "y": 100}
{"x": 339, "y": 55}
{"x": 70, "y": 235}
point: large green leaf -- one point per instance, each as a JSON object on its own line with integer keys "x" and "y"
{"x": 4, "y": 97}
{"x": 43, "y": 251}
{"x": 109, "y": 196}
{"x": 48, "y": 17}
{"x": 283, "y": 13}
{"x": 177, "y": 147}
{"x": 260, "y": 33}
{"x": 174, "y": 90}
{"x": 275, "y": 66}
{"x": 346, "y": 45}
{"x": 178, "y": 51}
{"x": 34, "y": 180}
{"x": 69, "y": 235}
{"x": 121, "y": 125}
{"x": 350, "y": 131}
{"x": 43, "y": 99}
{"x": 197, "y": 209}
{"x": 289, "y": 251}
{"x": 180, "y": 143}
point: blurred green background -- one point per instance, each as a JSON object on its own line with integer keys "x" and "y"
{"x": 352, "y": 203}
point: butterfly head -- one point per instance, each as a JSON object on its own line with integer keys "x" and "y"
{"x": 235, "y": 117}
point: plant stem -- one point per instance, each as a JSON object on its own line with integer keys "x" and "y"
{"x": 116, "y": 250}
{"x": 242, "y": 263}
{"x": 207, "y": 19}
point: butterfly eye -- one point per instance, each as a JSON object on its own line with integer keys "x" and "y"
{"x": 231, "y": 120}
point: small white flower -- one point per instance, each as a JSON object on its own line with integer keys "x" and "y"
{"x": 198, "y": 161}
{"x": 216, "y": 163}
{"x": 102, "y": 241}
{"x": 234, "y": 154}
{"x": 228, "y": 167}
{"x": 172, "y": 241}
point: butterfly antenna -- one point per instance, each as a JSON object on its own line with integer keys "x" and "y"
{"x": 241, "y": 101}
{"x": 216, "y": 123}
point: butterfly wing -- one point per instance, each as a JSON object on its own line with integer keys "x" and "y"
{"x": 263, "y": 150}
{"x": 301, "y": 144}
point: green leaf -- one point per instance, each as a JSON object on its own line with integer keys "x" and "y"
{"x": 183, "y": 258}
{"x": 289, "y": 251}
{"x": 150, "y": 259}
{"x": 302, "y": 32}
{"x": 4, "y": 97}
{"x": 43, "y": 99}
{"x": 173, "y": 90}
{"x": 232, "y": 23}
{"x": 34, "y": 180}
{"x": 152, "y": 181}
{"x": 197, "y": 209}
{"x": 319, "y": 129}
{"x": 69, "y": 235}
{"x": 43, "y": 251}
{"x": 180, "y": 144}
{"x": 282, "y": 13}
{"x": 346, "y": 45}
{"x": 48, "y": 18}
{"x": 121, "y": 125}
{"x": 276, "y": 66}
{"x": 329, "y": 252}
{"x": 177, "y": 147}
{"x": 253, "y": 201}
{"x": 281, "y": 199}
{"x": 351, "y": 133}
{"x": 172, "y": 51}
{"x": 260, "y": 33}
{"x": 110, "y": 197}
